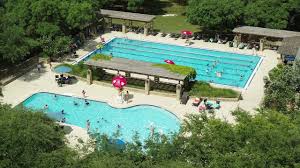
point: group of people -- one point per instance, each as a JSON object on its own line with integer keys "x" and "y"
{"x": 124, "y": 97}
{"x": 204, "y": 104}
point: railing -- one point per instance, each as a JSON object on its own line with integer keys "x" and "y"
{"x": 18, "y": 68}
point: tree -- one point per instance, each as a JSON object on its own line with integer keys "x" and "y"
{"x": 30, "y": 139}
{"x": 268, "y": 13}
{"x": 14, "y": 44}
{"x": 134, "y": 5}
{"x": 215, "y": 14}
{"x": 282, "y": 89}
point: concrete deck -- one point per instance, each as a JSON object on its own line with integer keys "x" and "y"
{"x": 32, "y": 82}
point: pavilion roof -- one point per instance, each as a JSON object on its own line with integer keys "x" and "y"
{"x": 265, "y": 32}
{"x": 127, "y": 15}
{"x": 137, "y": 67}
{"x": 290, "y": 46}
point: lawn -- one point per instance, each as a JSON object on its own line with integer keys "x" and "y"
{"x": 173, "y": 24}
{"x": 202, "y": 89}
{"x": 168, "y": 24}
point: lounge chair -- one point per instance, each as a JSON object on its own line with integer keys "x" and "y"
{"x": 184, "y": 98}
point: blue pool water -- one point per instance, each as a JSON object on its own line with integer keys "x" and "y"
{"x": 235, "y": 69}
{"x": 135, "y": 119}
{"x": 62, "y": 69}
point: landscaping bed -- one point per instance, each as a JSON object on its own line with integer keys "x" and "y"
{"x": 202, "y": 89}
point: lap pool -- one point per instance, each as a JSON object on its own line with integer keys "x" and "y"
{"x": 235, "y": 69}
{"x": 104, "y": 118}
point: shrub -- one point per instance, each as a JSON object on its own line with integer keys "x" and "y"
{"x": 179, "y": 69}
{"x": 101, "y": 57}
{"x": 203, "y": 89}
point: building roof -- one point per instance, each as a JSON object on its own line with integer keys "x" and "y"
{"x": 127, "y": 15}
{"x": 290, "y": 46}
{"x": 137, "y": 67}
{"x": 265, "y": 32}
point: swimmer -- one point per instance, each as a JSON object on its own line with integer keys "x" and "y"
{"x": 55, "y": 96}
{"x": 63, "y": 112}
{"x": 46, "y": 107}
{"x": 63, "y": 120}
{"x": 75, "y": 103}
{"x": 98, "y": 121}
{"x": 88, "y": 125}
{"x": 86, "y": 102}
{"x": 241, "y": 77}
{"x": 119, "y": 126}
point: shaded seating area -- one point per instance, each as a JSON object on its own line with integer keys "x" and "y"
{"x": 262, "y": 38}
{"x": 145, "y": 71}
{"x": 128, "y": 18}
{"x": 61, "y": 79}
{"x": 289, "y": 49}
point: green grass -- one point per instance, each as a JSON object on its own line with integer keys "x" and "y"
{"x": 202, "y": 89}
{"x": 173, "y": 24}
{"x": 179, "y": 69}
{"x": 101, "y": 57}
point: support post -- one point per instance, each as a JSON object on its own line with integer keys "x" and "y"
{"x": 237, "y": 40}
{"x": 89, "y": 76}
{"x": 124, "y": 27}
{"x": 110, "y": 24}
{"x": 261, "y": 44}
{"x": 145, "y": 29}
{"x": 147, "y": 86}
{"x": 178, "y": 91}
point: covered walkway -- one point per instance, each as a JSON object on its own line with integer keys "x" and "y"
{"x": 139, "y": 70}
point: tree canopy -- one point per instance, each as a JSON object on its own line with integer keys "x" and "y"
{"x": 215, "y": 14}
{"x": 42, "y": 27}
{"x": 225, "y": 14}
{"x": 283, "y": 88}
{"x": 30, "y": 139}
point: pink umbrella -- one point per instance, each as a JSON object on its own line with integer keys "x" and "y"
{"x": 169, "y": 62}
{"x": 186, "y": 32}
{"x": 119, "y": 81}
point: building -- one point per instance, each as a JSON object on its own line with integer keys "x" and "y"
{"x": 290, "y": 49}
{"x": 264, "y": 37}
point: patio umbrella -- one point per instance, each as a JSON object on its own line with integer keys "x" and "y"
{"x": 62, "y": 69}
{"x": 119, "y": 81}
{"x": 118, "y": 143}
{"x": 169, "y": 62}
{"x": 186, "y": 32}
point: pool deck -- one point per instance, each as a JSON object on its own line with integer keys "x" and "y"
{"x": 33, "y": 82}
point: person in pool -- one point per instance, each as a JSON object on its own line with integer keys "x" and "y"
{"x": 75, "y": 103}
{"x": 86, "y": 102}
{"x": 46, "y": 107}
{"x": 63, "y": 112}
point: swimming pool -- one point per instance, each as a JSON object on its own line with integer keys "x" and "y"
{"x": 104, "y": 118}
{"x": 212, "y": 66}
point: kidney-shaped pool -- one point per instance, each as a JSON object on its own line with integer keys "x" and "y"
{"x": 142, "y": 119}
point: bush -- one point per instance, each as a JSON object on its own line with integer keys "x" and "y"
{"x": 101, "y": 57}
{"x": 179, "y": 69}
{"x": 202, "y": 89}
